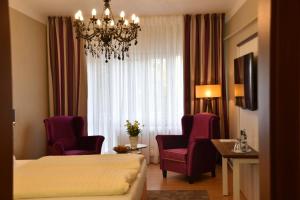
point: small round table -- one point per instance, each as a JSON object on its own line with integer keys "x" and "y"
{"x": 138, "y": 149}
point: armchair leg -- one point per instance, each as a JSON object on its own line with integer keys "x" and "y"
{"x": 213, "y": 173}
{"x": 164, "y": 172}
{"x": 191, "y": 180}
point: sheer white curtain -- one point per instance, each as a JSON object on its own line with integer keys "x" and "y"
{"x": 147, "y": 86}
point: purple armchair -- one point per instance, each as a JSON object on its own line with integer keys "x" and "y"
{"x": 64, "y": 137}
{"x": 191, "y": 153}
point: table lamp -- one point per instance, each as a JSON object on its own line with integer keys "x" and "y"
{"x": 208, "y": 92}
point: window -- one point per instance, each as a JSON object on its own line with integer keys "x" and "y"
{"x": 147, "y": 86}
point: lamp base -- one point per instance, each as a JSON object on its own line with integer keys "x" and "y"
{"x": 208, "y": 105}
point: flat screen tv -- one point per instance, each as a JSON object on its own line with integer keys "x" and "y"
{"x": 245, "y": 82}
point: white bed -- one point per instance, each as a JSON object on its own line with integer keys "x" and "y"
{"x": 137, "y": 190}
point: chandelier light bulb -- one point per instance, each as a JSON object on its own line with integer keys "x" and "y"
{"x": 106, "y": 12}
{"x": 112, "y": 23}
{"x": 126, "y": 22}
{"x": 77, "y": 16}
{"x": 122, "y": 14}
{"x": 137, "y": 20}
{"x": 94, "y": 12}
{"x": 133, "y": 17}
{"x": 81, "y": 18}
{"x": 99, "y": 22}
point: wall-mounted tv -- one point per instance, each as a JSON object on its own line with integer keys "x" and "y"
{"x": 245, "y": 82}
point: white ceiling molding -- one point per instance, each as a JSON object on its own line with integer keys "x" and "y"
{"x": 41, "y": 9}
{"x": 235, "y": 8}
{"x": 24, "y": 8}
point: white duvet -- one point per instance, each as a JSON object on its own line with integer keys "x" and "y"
{"x": 73, "y": 176}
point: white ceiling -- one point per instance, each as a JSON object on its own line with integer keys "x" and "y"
{"x": 40, "y": 9}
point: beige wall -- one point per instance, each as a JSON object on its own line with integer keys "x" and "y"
{"x": 30, "y": 93}
{"x": 239, "y": 27}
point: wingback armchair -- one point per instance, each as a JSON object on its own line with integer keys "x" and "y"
{"x": 191, "y": 153}
{"x": 65, "y": 137}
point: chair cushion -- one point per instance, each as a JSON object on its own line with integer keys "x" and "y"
{"x": 79, "y": 152}
{"x": 176, "y": 154}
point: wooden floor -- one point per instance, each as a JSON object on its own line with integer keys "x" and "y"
{"x": 175, "y": 181}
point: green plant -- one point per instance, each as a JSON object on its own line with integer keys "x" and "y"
{"x": 133, "y": 129}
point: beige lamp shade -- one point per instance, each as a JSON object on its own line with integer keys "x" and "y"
{"x": 239, "y": 90}
{"x": 208, "y": 91}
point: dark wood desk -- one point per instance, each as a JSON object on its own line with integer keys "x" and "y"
{"x": 225, "y": 148}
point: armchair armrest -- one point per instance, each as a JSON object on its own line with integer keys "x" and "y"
{"x": 93, "y": 143}
{"x": 171, "y": 141}
{"x": 201, "y": 156}
{"x": 56, "y": 149}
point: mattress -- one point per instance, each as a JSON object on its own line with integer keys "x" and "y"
{"x": 135, "y": 192}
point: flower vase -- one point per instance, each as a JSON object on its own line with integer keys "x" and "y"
{"x": 133, "y": 141}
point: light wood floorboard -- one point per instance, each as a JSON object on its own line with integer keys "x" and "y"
{"x": 175, "y": 181}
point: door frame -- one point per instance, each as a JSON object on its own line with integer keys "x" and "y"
{"x": 279, "y": 111}
{"x": 6, "y": 112}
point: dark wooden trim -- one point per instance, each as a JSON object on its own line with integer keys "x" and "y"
{"x": 279, "y": 99}
{"x": 6, "y": 114}
{"x": 248, "y": 39}
{"x": 285, "y": 99}
{"x": 264, "y": 13}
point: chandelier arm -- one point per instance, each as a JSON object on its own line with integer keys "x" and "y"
{"x": 87, "y": 28}
{"x": 89, "y": 36}
{"x": 132, "y": 36}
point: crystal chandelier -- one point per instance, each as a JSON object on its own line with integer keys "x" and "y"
{"x": 106, "y": 36}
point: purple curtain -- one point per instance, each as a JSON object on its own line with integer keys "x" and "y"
{"x": 204, "y": 63}
{"x": 67, "y": 70}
